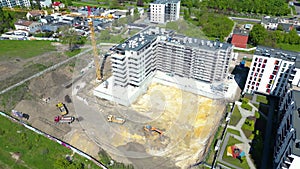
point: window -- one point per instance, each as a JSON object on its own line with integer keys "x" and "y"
{"x": 284, "y": 65}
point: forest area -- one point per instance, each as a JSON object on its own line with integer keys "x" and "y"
{"x": 270, "y": 7}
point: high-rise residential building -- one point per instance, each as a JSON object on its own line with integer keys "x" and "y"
{"x": 271, "y": 70}
{"x": 13, "y": 3}
{"x": 287, "y": 143}
{"x": 162, "y": 11}
{"x": 137, "y": 58}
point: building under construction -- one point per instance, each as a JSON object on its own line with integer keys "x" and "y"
{"x": 162, "y": 54}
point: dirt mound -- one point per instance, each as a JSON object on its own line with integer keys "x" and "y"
{"x": 51, "y": 82}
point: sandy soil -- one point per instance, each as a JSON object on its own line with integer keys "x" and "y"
{"x": 187, "y": 122}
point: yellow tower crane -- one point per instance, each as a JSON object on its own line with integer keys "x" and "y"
{"x": 95, "y": 51}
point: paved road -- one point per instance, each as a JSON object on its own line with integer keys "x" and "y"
{"x": 245, "y": 19}
{"x": 265, "y": 158}
{"x": 50, "y": 69}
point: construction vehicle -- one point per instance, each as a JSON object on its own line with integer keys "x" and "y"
{"x": 150, "y": 129}
{"x": 64, "y": 119}
{"x": 62, "y": 108}
{"x": 112, "y": 118}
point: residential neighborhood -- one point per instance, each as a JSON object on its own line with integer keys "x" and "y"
{"x": 150, "y": 84}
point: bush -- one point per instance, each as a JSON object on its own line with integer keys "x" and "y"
{"x": 245, "y": 100}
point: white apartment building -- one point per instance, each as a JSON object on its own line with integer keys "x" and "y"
{"x": 13, "y": 3}
{"x": 271, "y": 70}
{"x": 162, "y": 11}
{"x": 287, "y": 144}
{"x": 140, "y": 56}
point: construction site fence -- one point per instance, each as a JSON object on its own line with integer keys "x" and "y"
{"x": 74, "y": 149}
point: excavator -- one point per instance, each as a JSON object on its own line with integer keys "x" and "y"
{"x": 150, "y": 129}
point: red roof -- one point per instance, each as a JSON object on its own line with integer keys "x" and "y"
{"x": 56, "y": 3}
{"x": 239, "y": 41}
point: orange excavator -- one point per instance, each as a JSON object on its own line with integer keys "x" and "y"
{"x": 149, "y": 128}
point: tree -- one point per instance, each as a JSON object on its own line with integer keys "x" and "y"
{"x": 258, "y": 34}
{"x": 70, "y": 37}
{"x": 186, "y": 14}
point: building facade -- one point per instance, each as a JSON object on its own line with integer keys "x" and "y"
{"x": 162, "y": 11}
{"x": 271, "y": 70}
{"x": 139, "y": 57}
{"x": 287, "y": 144}
{"x": 13, "y": 3}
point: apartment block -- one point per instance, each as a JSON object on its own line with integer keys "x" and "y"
{"x": 159, "y": 50}
{"x": 162, "y": 11}
{"x": 13, "y": 3}
{"x": 272, "y": 70}
{"x": 287, "y": 144}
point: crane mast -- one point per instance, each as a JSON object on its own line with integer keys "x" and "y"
{"x": 94, "y": 45}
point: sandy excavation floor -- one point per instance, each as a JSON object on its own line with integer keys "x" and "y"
{"x": 187, "y": 122}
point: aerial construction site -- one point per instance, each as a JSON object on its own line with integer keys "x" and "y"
{"x": 165, "y": 120}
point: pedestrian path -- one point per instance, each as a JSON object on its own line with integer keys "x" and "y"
{"x": 242, "y": 138}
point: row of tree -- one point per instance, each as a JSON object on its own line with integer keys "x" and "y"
{"x": 260, "y": 36}
{"x": 270, "y": 7}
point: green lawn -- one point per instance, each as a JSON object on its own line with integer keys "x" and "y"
{"x": 235, "y": 117}
{"x": 230, "y": 159}
{"x": 10, "y": 49}
{"x": 285, "y": 46}
{"x": 36, "y": 151}
{"x": 262, "y": 99}
{"x": 246, "y": 106}
{"x": 232, "y": 131}
{"x": 185, "y": 28}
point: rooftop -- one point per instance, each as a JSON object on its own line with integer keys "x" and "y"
{"x": 138, "y": 41}
{"x": 296, "y": 122}
{"x": 165, "y": 1}
{"x": 278, "y": 53}
{"x": 23, "y": 22}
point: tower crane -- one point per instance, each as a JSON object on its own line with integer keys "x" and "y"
{"x": 94, "y": 45}
{"x": 95, "y": 51}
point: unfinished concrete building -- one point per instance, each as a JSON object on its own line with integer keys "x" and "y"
{"x": 155, "y": 49}
{"x": 140, "y": 56}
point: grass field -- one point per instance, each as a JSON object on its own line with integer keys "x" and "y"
{"x": 235, "y": 117}
{"x": 35, "y": 150}
{"x": 232, "y": 131}
{"x": 10, "y": 49}
{"x": 185, "y": 28}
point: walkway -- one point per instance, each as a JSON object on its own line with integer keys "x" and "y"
{"x": 242, "y": 138}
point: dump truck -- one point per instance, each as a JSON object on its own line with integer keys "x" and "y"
{"x": 64, "y": 119}
{"x": 112, "y": 118}
{"x": 150, "y": 129}
{"x": 62, "y": 108}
